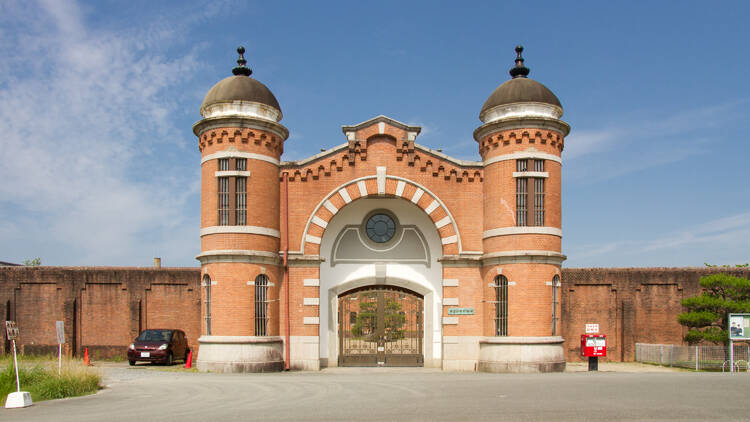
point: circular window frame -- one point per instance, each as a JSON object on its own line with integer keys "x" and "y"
{"x": 380, "y": 245}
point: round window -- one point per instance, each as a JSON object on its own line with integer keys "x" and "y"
{"x": 380, "y": 228}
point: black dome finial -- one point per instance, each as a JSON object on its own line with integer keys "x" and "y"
{"x": 241, "y": 69}
{"x": 519, "y": 70}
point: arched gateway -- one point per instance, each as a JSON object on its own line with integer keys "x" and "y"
{"x": 371, "y": 248}
{"x": 380, "y": 251}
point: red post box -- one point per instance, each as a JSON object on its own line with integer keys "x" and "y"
{"x": 593, "y": 345}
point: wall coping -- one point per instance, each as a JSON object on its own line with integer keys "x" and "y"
{"x": 522, "y": 340}
{"x": 239, "y": 339}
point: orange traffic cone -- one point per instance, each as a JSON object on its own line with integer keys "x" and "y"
{"x": 86, "y": 360}
{"x": 189, "y": 360}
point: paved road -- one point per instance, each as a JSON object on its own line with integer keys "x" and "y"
{"x": 145, "y": 394}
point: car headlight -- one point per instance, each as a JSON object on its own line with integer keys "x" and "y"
{"x": 163, "y": 346}
{"x": 132, "y": 346}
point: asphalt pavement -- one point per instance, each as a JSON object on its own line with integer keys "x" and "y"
{"x": 616, "y": 392}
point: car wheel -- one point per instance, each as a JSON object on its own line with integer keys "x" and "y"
{"x": 131, "y": 362}
{"x": 168, "y": 362}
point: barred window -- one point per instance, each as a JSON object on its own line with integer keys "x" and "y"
{"x": 555, "y": 303}
{"x": 526, "y": 214}
{"x": 223, "y": 164}
{"x": 538, "y": 201}
{"x": 207, "y": 303}
{"x": 521, "y": 197}
{"x": 241, "y": 164}
{"x": 240, "y": 217}
{"x": 261, "y": 305}
{"x": 224, "y": 201}
{"x": 501, "y": 305}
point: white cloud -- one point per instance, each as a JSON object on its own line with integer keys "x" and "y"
{"x": 86, "y": 119}
{"x": 722, "y": 240}
{"x": 649, "y": 132}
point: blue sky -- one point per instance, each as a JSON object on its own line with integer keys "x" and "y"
{"x": 99, "y": 165}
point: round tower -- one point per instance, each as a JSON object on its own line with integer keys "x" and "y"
{"x": 520, "y": 141}
{"x": 241, "y": 141}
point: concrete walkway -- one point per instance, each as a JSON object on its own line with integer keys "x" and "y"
{"x": 146, "y": 393}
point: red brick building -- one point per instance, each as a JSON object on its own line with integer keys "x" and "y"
{"x": 378, "y": 251}
{"x": 285, "y": 244}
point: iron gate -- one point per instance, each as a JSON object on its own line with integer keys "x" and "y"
{"x": 380, "y": 326}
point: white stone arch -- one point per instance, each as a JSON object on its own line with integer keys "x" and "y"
{"x": 420, "y": 278}
{"x": 341, "y": 191}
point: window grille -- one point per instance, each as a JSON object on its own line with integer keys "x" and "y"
{"x": 555, "y": 303}
{"x": 241, "y": 164}
{"x": 223, "y": 164}
{"x": 207, "y": 303}
{"x": 521, "y": 197}
{"x": 241, "y": 201}
{"x": 261, "y": 305}
{"x": 501, "y": 306}
{"x": 224, "y": 201}
{"x": 538, "y": 165}
{"x": 539, "y": 202}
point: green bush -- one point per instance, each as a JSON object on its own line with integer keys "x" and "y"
{"x": 45, "y": 384}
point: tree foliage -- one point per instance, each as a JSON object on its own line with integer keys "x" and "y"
{"x": 32, "y": 262}
{"x": 707, "y": 313}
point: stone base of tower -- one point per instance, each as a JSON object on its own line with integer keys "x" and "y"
{"x": 521, "y": 354}
{"x": 240, "y": 354}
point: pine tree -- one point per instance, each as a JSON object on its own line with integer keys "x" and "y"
{"x": 708, "y": 312}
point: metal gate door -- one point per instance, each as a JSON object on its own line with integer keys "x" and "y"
{"x": 380, "y": 326}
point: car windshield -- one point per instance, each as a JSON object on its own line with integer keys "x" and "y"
{"x": 155, "y": 335}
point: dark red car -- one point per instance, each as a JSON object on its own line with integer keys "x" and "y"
{"x": 159, "y": 345}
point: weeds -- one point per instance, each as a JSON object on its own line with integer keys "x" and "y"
{"x": 43, "y": 382}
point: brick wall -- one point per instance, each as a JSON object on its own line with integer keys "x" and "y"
{"x": 631, "y": 305}
{"x": 104, "y": 308}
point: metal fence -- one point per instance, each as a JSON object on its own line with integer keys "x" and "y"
{"x": 712, "y": 358}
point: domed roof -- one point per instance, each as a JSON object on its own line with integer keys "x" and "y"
{"x": 520, "y": 89}
{"x": 240, "y": 87}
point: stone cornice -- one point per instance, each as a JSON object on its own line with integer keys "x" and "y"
{"x": 303, "y": 162}
{"x": 239, "y": 255}
{"x": 381, "y": 119}
{"x": 218, "y": 122}
{"x": 523, "y": 257}
{"x": 512, "y": 123}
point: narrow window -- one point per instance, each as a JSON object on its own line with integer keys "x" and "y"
{"x": 223, "y": 164}
{"x": 207, "y": 303}
{"x": 261, "y": 305}
{"x": 539, "y": 195}
{"x": 521, "y": 197}
{"x": 521, "y": 194}
{"x": 539, "y": 201}
{"x": 501, "y": 306}
{"x": 241, "y": 164}
{"x": 555, "y": 303}
{"x": 241, "y": 201}
{"x": 223, "y": 201}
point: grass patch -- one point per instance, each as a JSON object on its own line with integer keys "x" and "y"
{"x": 43, "y": 382}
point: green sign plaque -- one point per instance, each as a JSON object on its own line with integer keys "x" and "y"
{"x": 460, "y": 311}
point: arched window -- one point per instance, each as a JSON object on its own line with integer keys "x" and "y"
{"x": 207, "y": 302}
{"x": 555, "y": 303}
{"x": 501, "y": 305}
{"x": 261, "y": 305}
